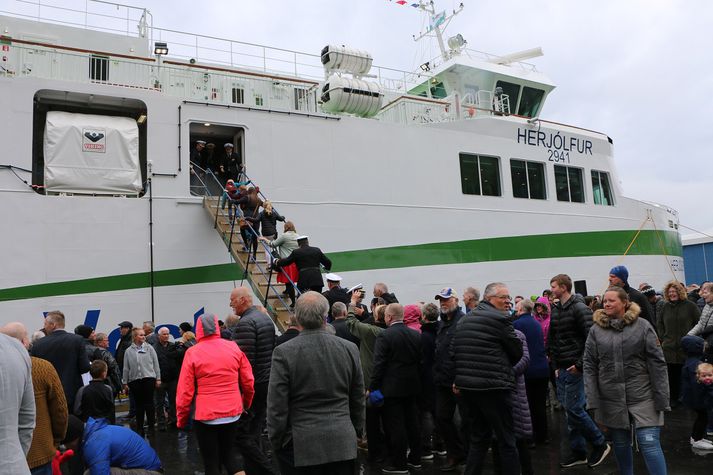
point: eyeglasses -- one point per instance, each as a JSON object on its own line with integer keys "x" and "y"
{"x": 504, "y": 297}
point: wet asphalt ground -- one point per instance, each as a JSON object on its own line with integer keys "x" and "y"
{"x": 178, "y": 451}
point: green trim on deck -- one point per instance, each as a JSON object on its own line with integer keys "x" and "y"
{"x": 586, "y": 244}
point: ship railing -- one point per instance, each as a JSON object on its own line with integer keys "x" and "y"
{"x": 134, "y": 22}
{"x": 439, "y": 60}
{"x": 184, "y": 82}
{"x": 213, "y": 188}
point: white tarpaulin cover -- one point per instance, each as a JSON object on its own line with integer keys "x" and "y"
{"x": 94, "y": 154}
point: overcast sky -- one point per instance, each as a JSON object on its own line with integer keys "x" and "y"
{"x": 640, "y": 71}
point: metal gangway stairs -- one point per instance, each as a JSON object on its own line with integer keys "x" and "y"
{"x": 255, "y": 270}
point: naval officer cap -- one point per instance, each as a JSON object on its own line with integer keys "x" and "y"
{"x": 331, "y": 277}
{"x": 302, "y": 238}
{"x": 202, "y": 142}
{"x": 228, "y": 145}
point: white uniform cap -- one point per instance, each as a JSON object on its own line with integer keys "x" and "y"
{"x": 228, "y": 145}
{"x": 300, "y": 238}
{"x": 333, "y": 277}
{"x": 202, "y": 142}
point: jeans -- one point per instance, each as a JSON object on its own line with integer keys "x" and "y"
{"x": 490, "y": 415}
{"x": 45, "y": 469}
{"x": 216, "y": 444}
{"x": 581, "y": 427}
{"x": 446, "y": 403}
{"x": 648, "y": 440}
{"x": 143, "y": 390}
{"x": 165, "y": 402}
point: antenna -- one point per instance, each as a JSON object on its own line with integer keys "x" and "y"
{"x": 437, "y": 24}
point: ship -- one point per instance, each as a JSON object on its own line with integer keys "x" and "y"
{"x": 444, "y": 176}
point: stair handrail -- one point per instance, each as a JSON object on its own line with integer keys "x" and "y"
{"x": 251, "y": 259}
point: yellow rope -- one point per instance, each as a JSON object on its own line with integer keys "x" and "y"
{"x": 628, "y": 248}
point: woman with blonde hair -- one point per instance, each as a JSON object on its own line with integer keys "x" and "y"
{"x": 625, "y": 381}
{"x": 284, "y": 245}
{"x": 678, "y": 316}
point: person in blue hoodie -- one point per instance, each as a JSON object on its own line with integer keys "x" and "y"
{"x": 537, "y": 374}
{"x": 693, "y": 394}
{"x": 109, "y": 449}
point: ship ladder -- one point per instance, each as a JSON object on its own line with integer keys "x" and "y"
{"x": 256, "y": 271}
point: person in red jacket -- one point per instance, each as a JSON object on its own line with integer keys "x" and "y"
{"x": 209, "y": 374}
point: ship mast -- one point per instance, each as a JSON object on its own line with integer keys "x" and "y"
{"x": 438, "y": 22}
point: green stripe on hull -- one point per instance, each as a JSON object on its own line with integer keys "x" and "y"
{"x": 141, "y": 280}
{"x": 602, "y": 243}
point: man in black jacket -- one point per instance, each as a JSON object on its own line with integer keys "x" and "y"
{"x": 101, "y": 341}
{"x": 397, "y": 374}
{"x": 339, "y": 322}
{"x": 124, "y": 342}
{"x": 113, "y": 379}
{"x": 619, "y": 277}
{"x": 335, "y": 292}
{"x": 446, "y": 401}
{"x": 255, "y": 335}
{"x": 381, "y": 290}
{"x": 66, "y": 353}
{"x": 570, "y": 322}
{"x": 308, "y": 259}
{"x": 169, "y": 354}
{"x": 485, "y": 348}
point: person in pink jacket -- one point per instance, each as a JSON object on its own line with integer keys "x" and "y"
{"x": 542, "y": 315}
{"x": 218, "y": 376}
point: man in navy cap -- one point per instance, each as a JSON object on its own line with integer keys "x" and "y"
{"x": 619, "y": 277}
{"x": 196, "y": 157}
{"x": 232, "y": 165}
{"x": 308, "y": 259}
{"x": 335, "y": 292}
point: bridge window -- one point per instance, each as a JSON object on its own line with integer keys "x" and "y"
{"x": 528, "y": 179}
{"x": 530, "y": 101}
{"x": 480, "y": 175}
{"x": 569, "y": 184}
{"x": 512, "y": 91}
{"x": 601, "y": 189}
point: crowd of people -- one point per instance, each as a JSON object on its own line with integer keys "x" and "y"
{"x": 456, "y": 378}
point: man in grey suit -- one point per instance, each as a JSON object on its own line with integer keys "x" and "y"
{"x": 17, "y": 406}
{"x": 315, "y": 400}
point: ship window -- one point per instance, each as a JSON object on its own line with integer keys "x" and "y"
{"x": 98, "y": 68}
{"x": 479, "y": 175}
{"x": 530, "y": 101}
{"x": 238, "y": 95}
{"x": 569, "y": 184}
{"x": 601, "y": 190}
{"x": 528, "y": 179}
{"x": 512, "y": 91}
{"x": 258, "y": 100}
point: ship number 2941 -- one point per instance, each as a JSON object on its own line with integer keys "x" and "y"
{"x": 558, "y": 156}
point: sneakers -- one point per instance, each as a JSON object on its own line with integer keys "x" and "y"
{"x": 574, "y": 460}
{"x": 394, "y": 471}
{"x": 703, "y": 444}
{"x": 427, "y": 456}
{"x": 598, "y": 455}
{"x": 414, "y": 466}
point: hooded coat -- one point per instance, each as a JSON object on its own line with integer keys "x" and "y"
{"x": 105, "y": 446}
{"x": 522, "y": 422}
{"x": 543, "y": 320}
{"x": 625, "y": 376}
{"x": 216, "y": 373}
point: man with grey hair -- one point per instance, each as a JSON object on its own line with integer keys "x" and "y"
{"x": 471, "y": 297}
{"x": 17, "y": 416}
{"x": 169, "y": 357}
{"x": 316, "y": 394}
{"x": 397, "y": 376}
{"x": 101, "y": 340}
{"x": 339, "y": 322}
{"x": 485, "y": 348}
{"x": 66, "y": 353}
{"x": 381, "y": 290}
